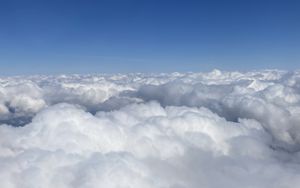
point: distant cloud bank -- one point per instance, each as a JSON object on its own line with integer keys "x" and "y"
{"x": 179, "y": 130}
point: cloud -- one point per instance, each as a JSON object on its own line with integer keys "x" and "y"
{"x": 217, "y": 129}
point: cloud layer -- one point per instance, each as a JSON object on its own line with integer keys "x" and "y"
{"x": 179, "y": 130}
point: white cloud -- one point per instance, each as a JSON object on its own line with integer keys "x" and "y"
{"x": 217, "y": 129}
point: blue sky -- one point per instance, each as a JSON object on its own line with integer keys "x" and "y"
{"x": 88, "y": 36}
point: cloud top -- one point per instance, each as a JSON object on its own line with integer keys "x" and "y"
{"x": 179, "y": 130}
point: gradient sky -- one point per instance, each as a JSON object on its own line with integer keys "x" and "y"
{"x": 88, "y": 36}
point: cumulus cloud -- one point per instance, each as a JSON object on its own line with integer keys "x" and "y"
{"x": 179, "y": 130}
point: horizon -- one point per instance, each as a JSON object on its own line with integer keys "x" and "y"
{"x": 145, "y": 73}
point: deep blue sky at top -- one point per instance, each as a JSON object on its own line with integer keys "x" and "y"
{"x": 89, "y": 36}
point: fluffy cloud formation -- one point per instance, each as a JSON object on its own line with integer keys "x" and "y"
{"x": 179, "y": 130}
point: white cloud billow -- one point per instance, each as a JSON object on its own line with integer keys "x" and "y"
{"x": 179, "y": 130}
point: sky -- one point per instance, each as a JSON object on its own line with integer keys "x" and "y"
{"x": 111, "y": 36}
